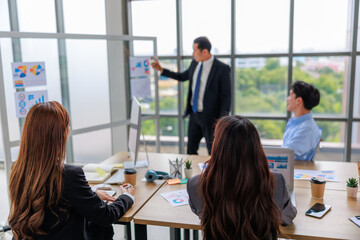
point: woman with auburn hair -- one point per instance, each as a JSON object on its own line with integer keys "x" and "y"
{"x": 236, "y": 196}
{"x": 50, "y": 199}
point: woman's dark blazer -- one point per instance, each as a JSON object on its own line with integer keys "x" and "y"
{"x": 83, "y": 207}
{"x": 281, "y": 198}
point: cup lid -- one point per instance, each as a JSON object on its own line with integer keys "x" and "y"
{"x": 317, "y": 180}
{"x": 130, "y": 171}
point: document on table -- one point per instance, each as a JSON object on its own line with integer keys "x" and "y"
{"x": 177, "y": 198}
{"x": 355, "y": 220}
{"x": 328, "y": 175}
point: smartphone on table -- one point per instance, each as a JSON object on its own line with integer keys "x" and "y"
{"x": 318, "y": 210}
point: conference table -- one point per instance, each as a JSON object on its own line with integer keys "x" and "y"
{"x": 334, "y": 225}
{"x": 143, "y": 190}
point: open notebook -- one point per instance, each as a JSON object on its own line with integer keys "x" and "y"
{"x": 98, "y": 173}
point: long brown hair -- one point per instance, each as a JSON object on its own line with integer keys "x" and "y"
{"x": 237, "y": 186}
{"x": 36, "y": 176}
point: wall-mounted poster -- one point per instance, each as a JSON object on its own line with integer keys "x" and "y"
{"x": 140, "y": 87}
{"x": 139, "y": 67}
{"x": 28, "y": 74}
{"x": 25, "y": 100}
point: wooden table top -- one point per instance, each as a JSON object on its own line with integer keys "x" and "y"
{"x": 143, "y": 190}
{"x": 334, "y": 225}
{"x": 343, "y": 171}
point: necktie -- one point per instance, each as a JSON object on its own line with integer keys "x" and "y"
{"x": 196, "y": 93}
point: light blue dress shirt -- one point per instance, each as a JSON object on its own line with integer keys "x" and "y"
{"x": 302, "y": 135}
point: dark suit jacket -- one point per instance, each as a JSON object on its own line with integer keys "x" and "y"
{"x": 217, "y": 95}
{"x": 281, "y": 198}
{"x": 82, "y": 205}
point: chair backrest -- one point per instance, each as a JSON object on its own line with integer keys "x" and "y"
{"x": 316, "y": 150}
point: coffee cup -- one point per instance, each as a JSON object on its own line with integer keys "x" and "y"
{"x": 130, "y": 176}
{"x": 317, "y": 187}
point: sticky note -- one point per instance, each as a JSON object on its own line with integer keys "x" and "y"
{"x": 173, "y": 181}
{"x": 118, "y": 165}
{"x": 101, "y": 172}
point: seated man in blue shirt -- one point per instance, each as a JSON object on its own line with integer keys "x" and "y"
{"x": 302, "y": 134}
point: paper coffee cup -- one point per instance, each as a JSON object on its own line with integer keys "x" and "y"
{"x": 130, "y": 176}
{"x": 317, "y": 187}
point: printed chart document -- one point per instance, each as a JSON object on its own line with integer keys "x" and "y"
{"x": 328, "y": 175}
{"x": 140, "y": 87}
{"x": 177, "y": 198}
{"x": 28, "y": 74}
{"x": 25, "y": 100}
{"x": 139, "y": 67}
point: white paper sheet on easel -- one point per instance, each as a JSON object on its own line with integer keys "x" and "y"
{"x": 177, "y": 198}
{"x": 140, "y": 87}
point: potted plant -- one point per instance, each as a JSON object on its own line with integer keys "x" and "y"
{"x": 352, "y": 187}
{"x": 188, "y": 169}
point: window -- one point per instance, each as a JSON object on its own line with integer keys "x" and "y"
{"x": 36, "y": 15}
{"x": 91, "y": 21}
{"x": 260, "y": 30}
{"x": 260, "y": 86}
{"x": 355, "y": 143}
{"x": 168, "y": 90}
{"x": 322, "y": 25}
{"x": 356, "y": 107}
{"x": 169, "y": 135}
{"x": 92, "y": 146}
{"x": 332, "y": 144}
{"x": 329, "y": 75}
{"x": 207, "y": 18}
{"x": 4, "y": 16}
{"x": 149, "y": 18}
{"x": 88, "y": 82}
{"x": 271, "y": 132}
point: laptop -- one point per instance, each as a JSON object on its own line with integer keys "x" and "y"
{"x": 282, "y": 160}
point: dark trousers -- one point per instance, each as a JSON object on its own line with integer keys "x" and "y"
{"x": 96, "y": 232}
{"x": 199, "y": 127}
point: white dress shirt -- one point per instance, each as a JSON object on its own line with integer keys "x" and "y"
{"x": 203, "y": 80}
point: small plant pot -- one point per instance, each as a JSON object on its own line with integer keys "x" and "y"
{"x": 188, "y": 172}
{"x": 352, "y": 192}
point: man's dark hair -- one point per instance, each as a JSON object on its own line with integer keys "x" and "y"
{"x": 309, "y": 94}
{"x": 203, "y": 43}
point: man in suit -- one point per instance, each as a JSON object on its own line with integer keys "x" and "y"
{"x": 209, "y": 95}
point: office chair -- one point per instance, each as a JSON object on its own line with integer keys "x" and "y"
{"x": 316, "y": 150}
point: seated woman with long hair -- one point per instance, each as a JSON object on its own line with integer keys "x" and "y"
{"x": 237, "y": 197}
{"x": 50, "y": 199}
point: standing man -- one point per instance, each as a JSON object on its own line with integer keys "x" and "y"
{"x": 302, "y": 134}
{"x": 209, "y": 95}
